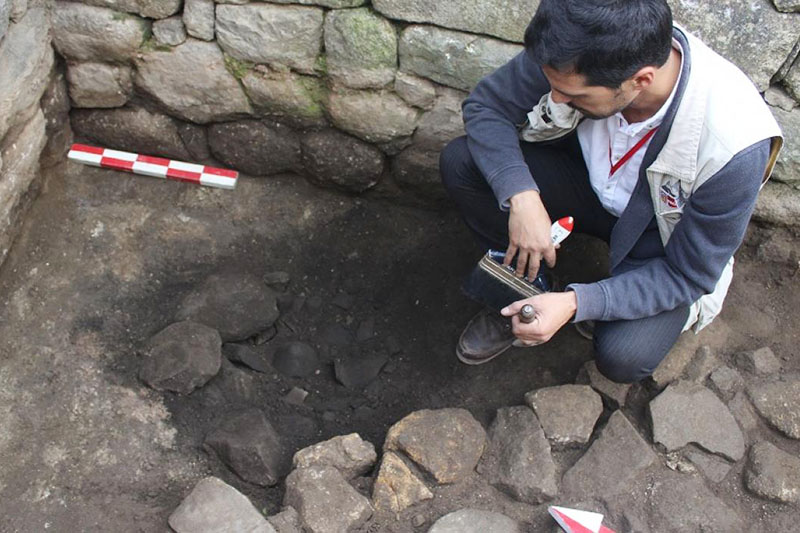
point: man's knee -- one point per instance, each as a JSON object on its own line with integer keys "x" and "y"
{"x": 621, "y": 363}
{"x": 455, "y": 162}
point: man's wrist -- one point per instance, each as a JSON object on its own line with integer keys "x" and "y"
{"x": 524, "y": 196}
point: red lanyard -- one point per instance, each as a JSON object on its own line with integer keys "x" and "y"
{"x": 624, "y": 159}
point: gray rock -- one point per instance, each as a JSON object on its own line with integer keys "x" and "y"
{"x": 787, "y": 169}
{"x": 777, "y": 97}
{"x": 250, "y": 446}
{"x": 416, "y": 169}
{"x": 506, "y": 19}
{"x": 5, "y": 14}
{"x": 442, "y": 123}
{"x": 169, "y": 31}
{"x": 287, "y": 521}
{"x": 447, "y": 443}
{"x": 255, "y": 147}
{"x": 397, "y": 487}
{"x": 132, "y": 130}
{"x": 336, "y": 4}
{"x": 761, "y": 362}
{"x": 475, "y": 521}
{"x": 687, "y": 412}
{"x": 238, "y": 306}
{"x": 736, "y": 33}
{"x": 296, "y": 396}
{"x": 678, "y": 502}
{"x": 786, "y": 6}
{"x": 614, "y": 392}
{"x": 518, "y": 460}
{"x": 337, "y": 159}
{"x": 55, "y": 106}
{"x": 296, "y": 359}
{"x": 375, "y": 117}
{"x": 349, "y": 454}
{"x": 294, "y": 98}
{"x": 415, "y": 91}
{"x": 726, "y": 382}
{"x": 567, "y": 413}
{"x": 778, "y": 247}
{"x": 198, "y": 17}
{"x": 181, "y": 357}
{"x": 89, "y": 33}
{"x": 773, "y": 474}
{"x": 702, "y": 365}
{"x": 743, "y": 411}
{"x": 713, "y": 467}
{"x": 245, "y": 355}
{"x": 356, "y": 371}
{"x": 214, "y": 506}
{"x": 232, "y": 386}
{"x": 17, "y": 10}
{"x": 792, "y": 80}
{"x": 316, "y": 491}
{"x": 361, "y": 48}
{"x": 778, "y": 204}
{"x": 677, "y": 360}
{"x": 612, "y": 462}
{"x": 99, "y": 85}
{"x": 154, "y": 9}
{"x": 171, "y": 79}
{"x": 271, "y": 34}
{"x": 779, "y": 404}
{"x": 195, "y": 138}
{"x": 451, "y": 58}
{"x": 26, "y": 59}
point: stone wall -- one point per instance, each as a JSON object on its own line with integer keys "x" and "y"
{"x": 34, "y": 127}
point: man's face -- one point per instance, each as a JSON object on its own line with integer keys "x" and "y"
{"x": 594, "y": 101}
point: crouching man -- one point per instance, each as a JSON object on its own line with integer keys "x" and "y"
{"x": 649, "y": 139}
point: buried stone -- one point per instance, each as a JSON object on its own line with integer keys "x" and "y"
{"x": 250, "y": 446}
{"x": 244, "y": 355}
{"x": 295, "y": 359}
{"x": 349, "y": 454}
{"x": 357, "y": 371}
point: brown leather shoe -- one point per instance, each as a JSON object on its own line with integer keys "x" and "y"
{"x": 486, "y": 336}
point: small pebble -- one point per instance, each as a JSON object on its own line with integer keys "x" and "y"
{"x": 296, "y": 396}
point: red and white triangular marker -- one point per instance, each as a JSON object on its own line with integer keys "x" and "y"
{"x": 575, "y": 521}
{"x": 561, "y": 229}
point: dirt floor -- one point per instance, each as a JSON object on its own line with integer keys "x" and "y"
{"x": 106, "y": 257}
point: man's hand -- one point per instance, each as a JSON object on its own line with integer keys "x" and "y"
{"x": 529, "y": 234}
{"x": 553, "y": 310}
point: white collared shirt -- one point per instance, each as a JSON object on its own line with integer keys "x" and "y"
{"x": 614, "y": 132}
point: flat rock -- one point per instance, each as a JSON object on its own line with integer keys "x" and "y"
{"x": 397, "y": 487}
{"x": 169, "y": 31}
{"x": 743, "y": 411}
{"x": 181, "y": 357}
{"x": 245, "y": 355}
{"x": 416, "y": 91}
{"x": 131, "y": 129}
{"x": 726, "y": 382}
{"x": 271, "y": 34}
{"x": 170, "y": 78}
{"x": 447, "y": 443}
{"x": 360, "y": 48}
{"x": 761, "y": 362}
{"x": 518, "y": 460}
{"x": 349, "y": 454}
{"x": 680, "y": 502}
{"x": 779, "y": 404}
{"x": 255, "y": 147}
{"x": 712, "y": 466}
{"x": 198, "y": 18}
{"x": 287, "y": 521}
{"x": 615, "y": 393}
{"x": 295, "y": 359}
{"x": 612, "y": 462}
{"x": 506, "y": 19}
{"x": 325, "y": 501}
{"x": 250, "y": 446}
{"x": 90, "y": 33}
{"x": 376, "y": 117}
{"x": 335, "y": 159}
{"x": 99, "y": 85}
{"x": 238, "y": 306}
{"x": 702, "y": 364}
{"x": 215, "y": 507}
{"x": 452, "y": 58}
{"x": 568, "y": 413}
{"x": 294, "y": 98}
{"x": 356, "y": 370}
{"x": 773, "y": 474}
{"x": 475, "y": 521}
{"x": 689, "y": 413}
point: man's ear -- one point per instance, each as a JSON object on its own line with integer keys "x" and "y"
{"x": 643, "y": 78}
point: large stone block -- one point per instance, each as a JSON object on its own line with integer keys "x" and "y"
{"x": 255, "y": 147}
{"x": 417, "y": 169}
{"x": 361, "y": 48}
{"x": 376, "y": 117}
{"x": 154, "y": 9}
{"x": 452, "y": 58}
{"x": 5, "y": 13}
{"x": 506, "y": 19}
{"x": 349, "y": 454}
{"x": 99, "y": 85}
{"x": 89, "y": 33}
{"x": 264, "y": 33}
{"x": 443, "y": 122}
{"x": 737, "y": 31}
{"x": 296, "y": 99}
{"x": 397, "y": 487}
{"x": 787, "y": 169}
{"x": 26, "y": 59}
{"x": 172, "y": 78}
{"x": 198, "y": 17}
{"x": 334, "y": 158}
{"x": 325, "y": 501}
{"x": 778, "y": 204}
{"x": 335, "y": 4}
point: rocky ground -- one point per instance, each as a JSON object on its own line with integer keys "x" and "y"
{"x": 334, "y": 316}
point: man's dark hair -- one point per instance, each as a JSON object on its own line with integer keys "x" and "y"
{"x": 607, "y": 41}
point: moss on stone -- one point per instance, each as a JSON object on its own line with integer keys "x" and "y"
{"x": 370, "y": 38}
{"x": 151, "y": 45}
{"x": 237, "y": 67}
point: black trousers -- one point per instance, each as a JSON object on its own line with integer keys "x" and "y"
{"x": 626, "y": 351}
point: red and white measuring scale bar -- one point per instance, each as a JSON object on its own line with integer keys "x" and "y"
{"x": 155, "y": 167}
